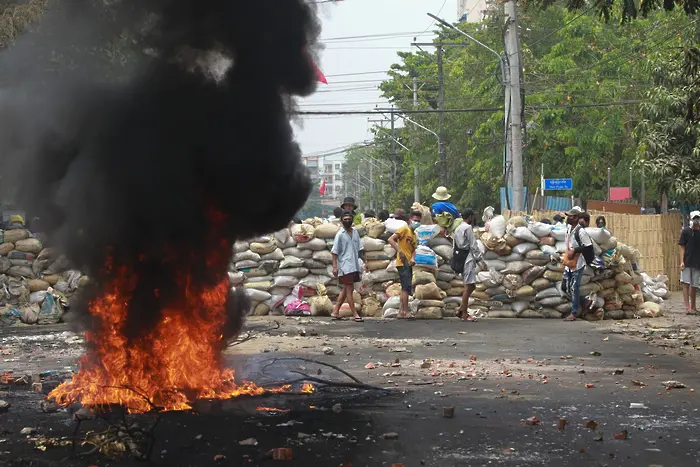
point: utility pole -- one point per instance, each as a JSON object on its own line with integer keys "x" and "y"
{"x": 393, "y": 148}
{"x": 371, "y": 186}
{"x": 441, "y": 115}
{"x": 512, "y": 49}
{"x": 416, "y": 188}
{"x": 441, "y": 104}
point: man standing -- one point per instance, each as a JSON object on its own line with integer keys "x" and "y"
{"x": 578, "y": 247}
{"x": 442, "y": 205}
{"x": 464, "y": 244}
{"x": 405, "y": 242}
{"x": 690, "y": 262}
{"x": 347, "y": 252}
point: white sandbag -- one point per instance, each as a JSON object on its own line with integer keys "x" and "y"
{"x": 497, "y": 226}
{"x": 246, "y": 264}
{"x": 236, "y": 278}
{"x": 372, "y": 244}
{"x": 284, "y": 239}
{"x": 285, "y": 281}
{"x": 439, "y": 241}
{"x": 252, "y": 280}
{"x": 392, "y": 302}
{"x": 598, "y": 235}
{"x": 539, "y": 229}
{"x": 294, "y": 272}
{"x": 263, "y": 248}
{"x": 520, "y": 305}
{"x": 276, "y": 255}
{"x": 558, "y": 233}
{"x": 561, "y": 247}
{"x": 550, "y": 292}
{"x": 552, "y": 301}
{"x": 240, "y": 247}
{"x": 523, "y": 248}
{"x": 502, "y": 313}
{"x": 512, "y": 257}
{"x": 257, "y": 295}
{"x": 264, "y": 285}
{"x": 491, "y": 278}
{"x": 491, "y": 255}
{"x": 291, "y": 262}
{"x": 29, "y": 245}
{"x": 327, "y": 230}
{"x": 550, "y": 250}
{"x": 498, "y": 265}
{"x": 323, "y": 256}
{"x": 246, "y": 256}
{"x": 611, "y": 244}
{"x": 297, "y": 253}
{"x": 537, "y": 255}
{"x": 313, "y": 281}
{"x": 393, "y": 225}
{"x": 390, "y": 313}
{"x": 280, "y": 291}
{"x": 426, "y": 257}
{"x": 37, "y": 297}
{"x": 530, "y": 314}
{"x": 317, "y": 244}
{"x": 516, "y": 267}
{"x": 523, "y": 233}
{"x": 444, "y": 251}
{"x": 379, "y": 276}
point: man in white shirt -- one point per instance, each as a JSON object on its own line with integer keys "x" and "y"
{"x": 578, "y": 246}
{"x": 465, "y": 240}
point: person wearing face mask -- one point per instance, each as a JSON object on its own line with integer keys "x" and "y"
{"x": 690, "y": 262}
{"x": 405, "y": 242}
{"x": 466, "y": 255}
{"x": 347, "y": 252}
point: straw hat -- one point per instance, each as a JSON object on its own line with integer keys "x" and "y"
{"x": 441, "y": 194}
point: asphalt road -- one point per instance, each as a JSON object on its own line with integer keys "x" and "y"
{"x": 495, "y": 373}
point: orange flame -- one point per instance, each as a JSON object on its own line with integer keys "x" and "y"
{"x": 176, "y": 362}
{"x": 271, "y": 409}
{"x": 308, "y": 388}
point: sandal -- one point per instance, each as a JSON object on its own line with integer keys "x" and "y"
{"x": 359, "y": 320}
{"x": 691, "y": 313}
{"x": 338, "y": 318}
{"x": 570, "y": 318}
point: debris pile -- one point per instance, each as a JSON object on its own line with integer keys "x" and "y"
{"x": 35, "y": 283}
{"x": 291, "y": 272}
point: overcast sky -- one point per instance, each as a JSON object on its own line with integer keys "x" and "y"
{"x": 394, "y": 23}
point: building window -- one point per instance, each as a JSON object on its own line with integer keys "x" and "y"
{"x": 328, "y": 168}
{"x": 337, "y": 178}
{"x": 338, "y": 166}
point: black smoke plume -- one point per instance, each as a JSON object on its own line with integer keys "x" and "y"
{"x": 176, "y": 157}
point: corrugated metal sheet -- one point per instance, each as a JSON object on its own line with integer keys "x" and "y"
{"x": 557, "y": 203}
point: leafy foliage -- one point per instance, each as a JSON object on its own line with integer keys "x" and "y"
{"x": 583, "y": 80}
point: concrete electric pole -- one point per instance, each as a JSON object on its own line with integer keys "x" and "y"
{"x": 515, "y": 106}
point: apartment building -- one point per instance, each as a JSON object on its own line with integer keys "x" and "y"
{"x": 330, "y": 169}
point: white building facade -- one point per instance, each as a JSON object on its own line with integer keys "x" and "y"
{"x": 471, "y": 11}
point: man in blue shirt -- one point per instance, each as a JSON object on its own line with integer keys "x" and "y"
{"x": 347, "y": 252}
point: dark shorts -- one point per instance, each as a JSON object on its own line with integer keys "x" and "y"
{"x": 406, "y": 278}
{"x": 349, "y": 279}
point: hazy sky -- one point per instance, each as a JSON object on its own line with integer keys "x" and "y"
{"x": 394, "y": 23}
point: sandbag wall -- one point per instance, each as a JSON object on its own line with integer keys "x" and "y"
{"x": 35, "y": 284}
{"x": 272, "y": 267}
{"x": 523, "y": 277}
{"x": 524, "y": 274}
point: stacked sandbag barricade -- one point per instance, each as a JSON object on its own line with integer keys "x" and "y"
{"x": 290, "y": 272}
{"x": 35, "y": 283}
{"x": 524, "y": 274}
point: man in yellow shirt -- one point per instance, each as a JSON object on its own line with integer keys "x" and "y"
{"x": 405, "y": 242}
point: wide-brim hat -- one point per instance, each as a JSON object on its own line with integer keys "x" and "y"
{"x": 349, "y": 200}
{"x": 441, "y": 194}
{"x": 694, "y": 214}
{"x": 575, "y": 211}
